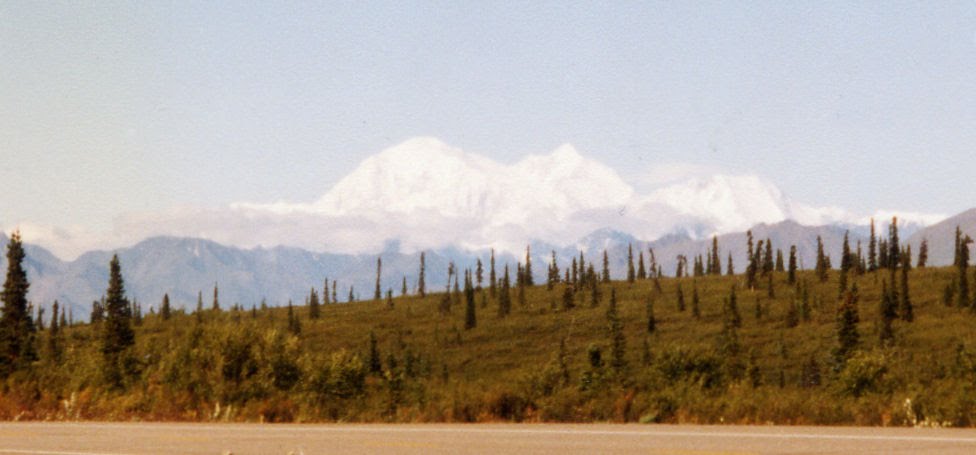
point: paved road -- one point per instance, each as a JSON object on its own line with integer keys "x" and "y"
{"x": 240, "y": 439}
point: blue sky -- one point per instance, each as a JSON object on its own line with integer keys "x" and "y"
{"x": 112, "y": 107}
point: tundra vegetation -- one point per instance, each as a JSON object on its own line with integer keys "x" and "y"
{"x": 879, "y": 341}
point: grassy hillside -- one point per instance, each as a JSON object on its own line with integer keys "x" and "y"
{"x": 249, "y": 366}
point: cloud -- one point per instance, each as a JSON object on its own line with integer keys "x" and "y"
{"x": 456, "y": 199}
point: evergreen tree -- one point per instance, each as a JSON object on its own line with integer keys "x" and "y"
{"x": 905, "y": 308}
{"x": 335, "y": 298}
{"x": 752, "y": 267}
{"x": 528, "y": 279}
{"x": 294, "y": 325}
{"x": 55, "y": 340}
{"x": 716, "y": 261}
{"x": 594, "y": 295}
{"x": 199, "y": 312}
{"x": 553, "y": 276}
{"x": 492, "y": 281}
{"x": 479, "y": 274}
{"x": 389, "y": 298}
{"x": 615, "y": 333}
{"x": 505, "y": 299}
{"x": 655, "y": 269}
{"x": 421, "y": 284}
{"x": 780, "y": 267}
{"x": 216, "y": 300}
{"x": 164, "y": 310}
{"x": 352, "y": 295}
{"x": 962, "y": 266}
{"x": 631, "y": 274}
{"x": 872, "y": 250}
{"x": 822, "y": 266}
{"x": 641, "y": 271}
{"x": 847, "y": 334}
{"x": 314, "y": 311}
{"x": 888, "y": 311}
{"x": 730, "y": 268}
{"x": 894, "y": 248}
{"x": 767, "y": 264}
{"x": 791, "y": 271}
{"x": 845, "y": 255}
{"x": 470, "y": 318}
{"x": 117, "y": 334}
{"x": 377, "y": 293}
{"x": 731, "y": 309}
{"x": 605, "y": 276}
{"x": 403, "y": 286}
{"x": 882, "y": 254}
{"x": 569, "y": 297}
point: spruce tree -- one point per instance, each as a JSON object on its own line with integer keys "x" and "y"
{"x": 822, "y": 266}
{"x": 505, "y": 299}
{"x": 294, "y": 325}
{"x": 117, "y": 334}
{"x": 716, "y": 261}
{"x": 216, "y": 300}
{"x": 631, "y": 274}
{"x": 845, "y": 255}
{"x": 752, "y": 266}
{"x": 641, "y": 271}
{"x": 847, "y": 333}
{"x": 905, "y": 309}
{"x": 894, "y": 248}
{"x": 569, "y": 297}
{"x": 492, "y": 279}
{"x": 314, "y": 311}
{"x": 352, "y": 295}
{"x": 389, "y": 298}
{"x": 615, "y": 332}
{"x": 791, "y": 271}
{"x": 403, "y": 286}
{"x": 470, "y": 318}
{"x": 888, "y": 311}
{"x": 377, "y": 293}
{"x": 962, "y": 266}
{"x": 730, "y": 268}
{"x": 528, "y": 279}
{"x": 767, "y": 264}
{"x": 479, "y": 273}
{"x": 605, "y": 276}
{"x": 421, "y": 284}
{"x": 731, "y": 309}
{"x": 199, "y": 311}
{"x": 873, "y": 250}
{"x": 780, "y": 267}
{"x": 55, "y": 342}
{"x": 16, "y": 324}
{"x": 164, "y": 310}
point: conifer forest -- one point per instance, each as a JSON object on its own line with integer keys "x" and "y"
{"x": 861, "y": 338}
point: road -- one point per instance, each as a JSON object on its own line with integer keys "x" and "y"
{"x": 89, "y": 438}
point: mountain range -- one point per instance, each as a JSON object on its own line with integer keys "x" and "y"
{"x": 423, "y": 195}
{"x": 186, "y": 268}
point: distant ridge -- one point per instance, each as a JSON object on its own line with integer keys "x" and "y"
{"x": 184, "y": 267}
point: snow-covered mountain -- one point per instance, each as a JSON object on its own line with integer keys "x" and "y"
{"x": 426, "y": 194}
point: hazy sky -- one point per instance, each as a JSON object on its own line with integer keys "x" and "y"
{"x": 111, "y": 107}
